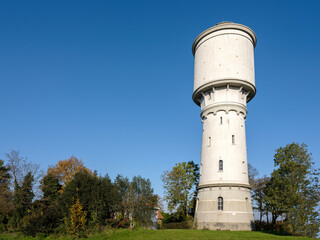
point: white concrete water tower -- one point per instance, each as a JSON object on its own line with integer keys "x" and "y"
{"x": 224, "y": 82}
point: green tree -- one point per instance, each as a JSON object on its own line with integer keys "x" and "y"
{"x": 121, "y": 185}
{"x": 50, "y": 187}
{"x": 20, "y": 166}
{"x": 6, "y": 198}
{"x": 95, "y": 194}
{"x": 180, "y": 186}
{"x": 45, "y": 215}
{"x": 293, "y": 190}
{"x": 139, "y": 201}
{"x": 22, "y": 200}
{"x": 258, "y": 185}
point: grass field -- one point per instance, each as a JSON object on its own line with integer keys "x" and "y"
{"x": 172, "y": 235}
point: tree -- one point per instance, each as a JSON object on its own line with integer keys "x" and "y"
{"x": 121, "y": 185}
{"x": 258, "y": 196}
{"x": 19, "y": 167}
{"x": 293, "y": 190}
{"x": 22, "y": 199}
{"x": 50, "y": 187}
{"x": 6, "y": 197}
{"x": 139, "y": 201}
{"x": 258, "y": 186}
{"x": 96, "y": 195}
{"x": 65, "y": 170}
{"x": 179, "y": 185}
{"x": 252, "y": 174}
{"x": 45, "y": 214}
{"x": 78, "y": 219}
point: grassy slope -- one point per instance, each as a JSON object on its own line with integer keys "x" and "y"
{"x": 180, "y": 235}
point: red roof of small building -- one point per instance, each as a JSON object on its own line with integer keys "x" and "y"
{"x": 160, "y": 217}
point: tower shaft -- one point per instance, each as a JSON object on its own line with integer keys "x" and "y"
{"x": 224, "y": 83}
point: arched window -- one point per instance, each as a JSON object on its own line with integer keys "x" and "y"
{"x": 220, "y": 203}
{"x": 220, "y": 165}
{"x": 220, "y": 120}
{"x": 233, "y": 140}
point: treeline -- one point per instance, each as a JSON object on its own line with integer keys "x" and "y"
{"x": 288, "y": 200}
{"x": 70, "y": 199}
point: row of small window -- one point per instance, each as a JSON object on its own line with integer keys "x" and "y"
{"x": 221, "y": 165}
{"x": 221, "y": 121}
{"x": 233, "y": 141}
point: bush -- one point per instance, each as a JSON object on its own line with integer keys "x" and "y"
{"x": 177, "y": 225}
{"x": 124, "y": 223}
{"x": 174, "y": 217}
{"x": 279, "y": 228}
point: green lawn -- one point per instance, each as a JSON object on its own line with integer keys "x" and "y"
{"x": 174, "y": 235}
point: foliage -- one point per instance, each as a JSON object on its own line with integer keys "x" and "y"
{"x": 96, "y": 195}
{"x": 179, "y": 185}
{"x": 6, "y": 197}
{"x": 77, "y": 220}
{"x": 139, "y": 201}
{"x": 22, "y": 200}
{"x": 178, "y": 225}
{"x": 19, "y": 167}
{"x": 293, "y": 190}
{"x": 258, "y": 186}
{"x": 173, "y": 217}
{"x": 65, "y": 170}
{"x": 50, "y": 187}
{"x": 43, "y": 217}
{"x": 121, "y": 185}
{"x": 4, "y": 177}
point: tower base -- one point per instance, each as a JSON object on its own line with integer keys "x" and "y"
{"x": 226, "y": 226}
{"x": 235, "y": 212}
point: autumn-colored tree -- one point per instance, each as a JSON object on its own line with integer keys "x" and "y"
{"x": 65, "y": 170}
{"x": 78, "y": 219}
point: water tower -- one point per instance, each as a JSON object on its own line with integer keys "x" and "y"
{"x": 224, "y": 82}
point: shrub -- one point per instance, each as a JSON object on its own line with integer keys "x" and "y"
{"x": 177, "y": 225}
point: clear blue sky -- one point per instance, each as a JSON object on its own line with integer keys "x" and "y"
{"x": 110, "y": 82}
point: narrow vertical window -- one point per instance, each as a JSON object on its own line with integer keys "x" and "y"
{"x": 220, "y": 120}
{"x": 244, "y": 168}
{"x": 233, "y": 140}
{"x": 220, "y": 165}
{"x": 220, "y": 203}
{"x": 209, "y": 142}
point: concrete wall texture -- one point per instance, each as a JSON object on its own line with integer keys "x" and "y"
{"x": 224, "y": 82}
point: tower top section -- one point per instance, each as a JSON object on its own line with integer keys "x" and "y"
{"x": 222, "y": 26}
{"x": 224, "y": 58}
